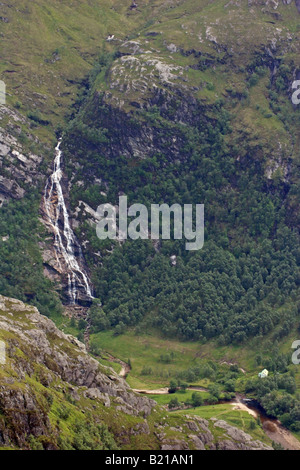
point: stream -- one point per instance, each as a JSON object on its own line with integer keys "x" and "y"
{"x": 67, "y": 248}
{"x": 271, "y": 426}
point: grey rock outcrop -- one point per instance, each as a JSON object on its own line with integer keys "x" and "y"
{"x": 239, "y": 439}
{"x": 18, "y": 168}
{"x": 71, "y": 363}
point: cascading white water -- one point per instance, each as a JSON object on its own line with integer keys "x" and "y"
{"x": 65, "y": 240}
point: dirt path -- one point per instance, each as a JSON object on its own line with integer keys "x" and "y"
{"x": 158, "y": 391}
{"x": 125, "y": 368}
{"x": 165, "y": 390}
{"x": 241, "y": 406}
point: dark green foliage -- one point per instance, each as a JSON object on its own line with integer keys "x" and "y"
{"x": 252, "y": 425}
{"x": 214, "y": 392}
{"x": 88, "y": 436}
{"x": 34, "y": 443}
{"x": 196, "y": 400}
{"x": 82, "y": 324}
{"x": 21, "y": 267}
{"x": 166, "y": 358}
{"x": 147, "y": 370}
{"x": 93, "y": 437}
{"x": 203, "y": 371}
{"x": 208, "y": 294}
{"x": 173, "y": 403}
{"x": 36, "y": 117}
{"x": 173, "y": 386}
{"x": 183, "y": 386}
{"x": 276, "y": 396}
{"x": 63, "y": 412}
{"x": 238, "y": 285}
{"x": 80, "y": 336}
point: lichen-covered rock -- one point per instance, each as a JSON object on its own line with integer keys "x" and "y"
{"x": 240, "y": 439}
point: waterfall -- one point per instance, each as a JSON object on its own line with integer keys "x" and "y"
{"x": 65, "y": 240}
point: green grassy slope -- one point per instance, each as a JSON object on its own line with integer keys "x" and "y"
{"x": 210, "y": 84}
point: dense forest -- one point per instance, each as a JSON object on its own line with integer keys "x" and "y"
{"x": 166, "y": 102}
{"x": 245, "y": 280}
{"x": 21, "y": 267}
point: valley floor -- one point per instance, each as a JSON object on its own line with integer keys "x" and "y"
{"x": 148, "y": 351}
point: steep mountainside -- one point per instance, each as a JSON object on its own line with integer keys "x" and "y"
{"x": 183, "y": 105}
{"x": 53, "y": 395}
{"x": 165, "y": 101}
{"x": 196, "y": 108}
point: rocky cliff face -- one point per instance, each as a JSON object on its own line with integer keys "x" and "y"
{"x": 48, "y": 382}
{"x": 20, "y": 169}
{"x": 163, "y": 92}
{"x": 175, "y": 71}
{"x": 175, "y": 59}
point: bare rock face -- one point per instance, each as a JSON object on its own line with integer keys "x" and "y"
{"x": 240, "y": 439}
{"x": 71, "y": 362}
{"x": 25, "y": 413}
{"x": 22, "y": 167}
{"x": 34, "y": 343}
{"x": 288, "y": 2}
{"x": 10, "y": 189}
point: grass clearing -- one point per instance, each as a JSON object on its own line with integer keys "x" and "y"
{"x": 147, "y": 350}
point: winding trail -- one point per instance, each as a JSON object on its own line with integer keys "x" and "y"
{"x": 124, "y": 370}
{"x": 165, "y": 390}
{"x": 125, "y": 367}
